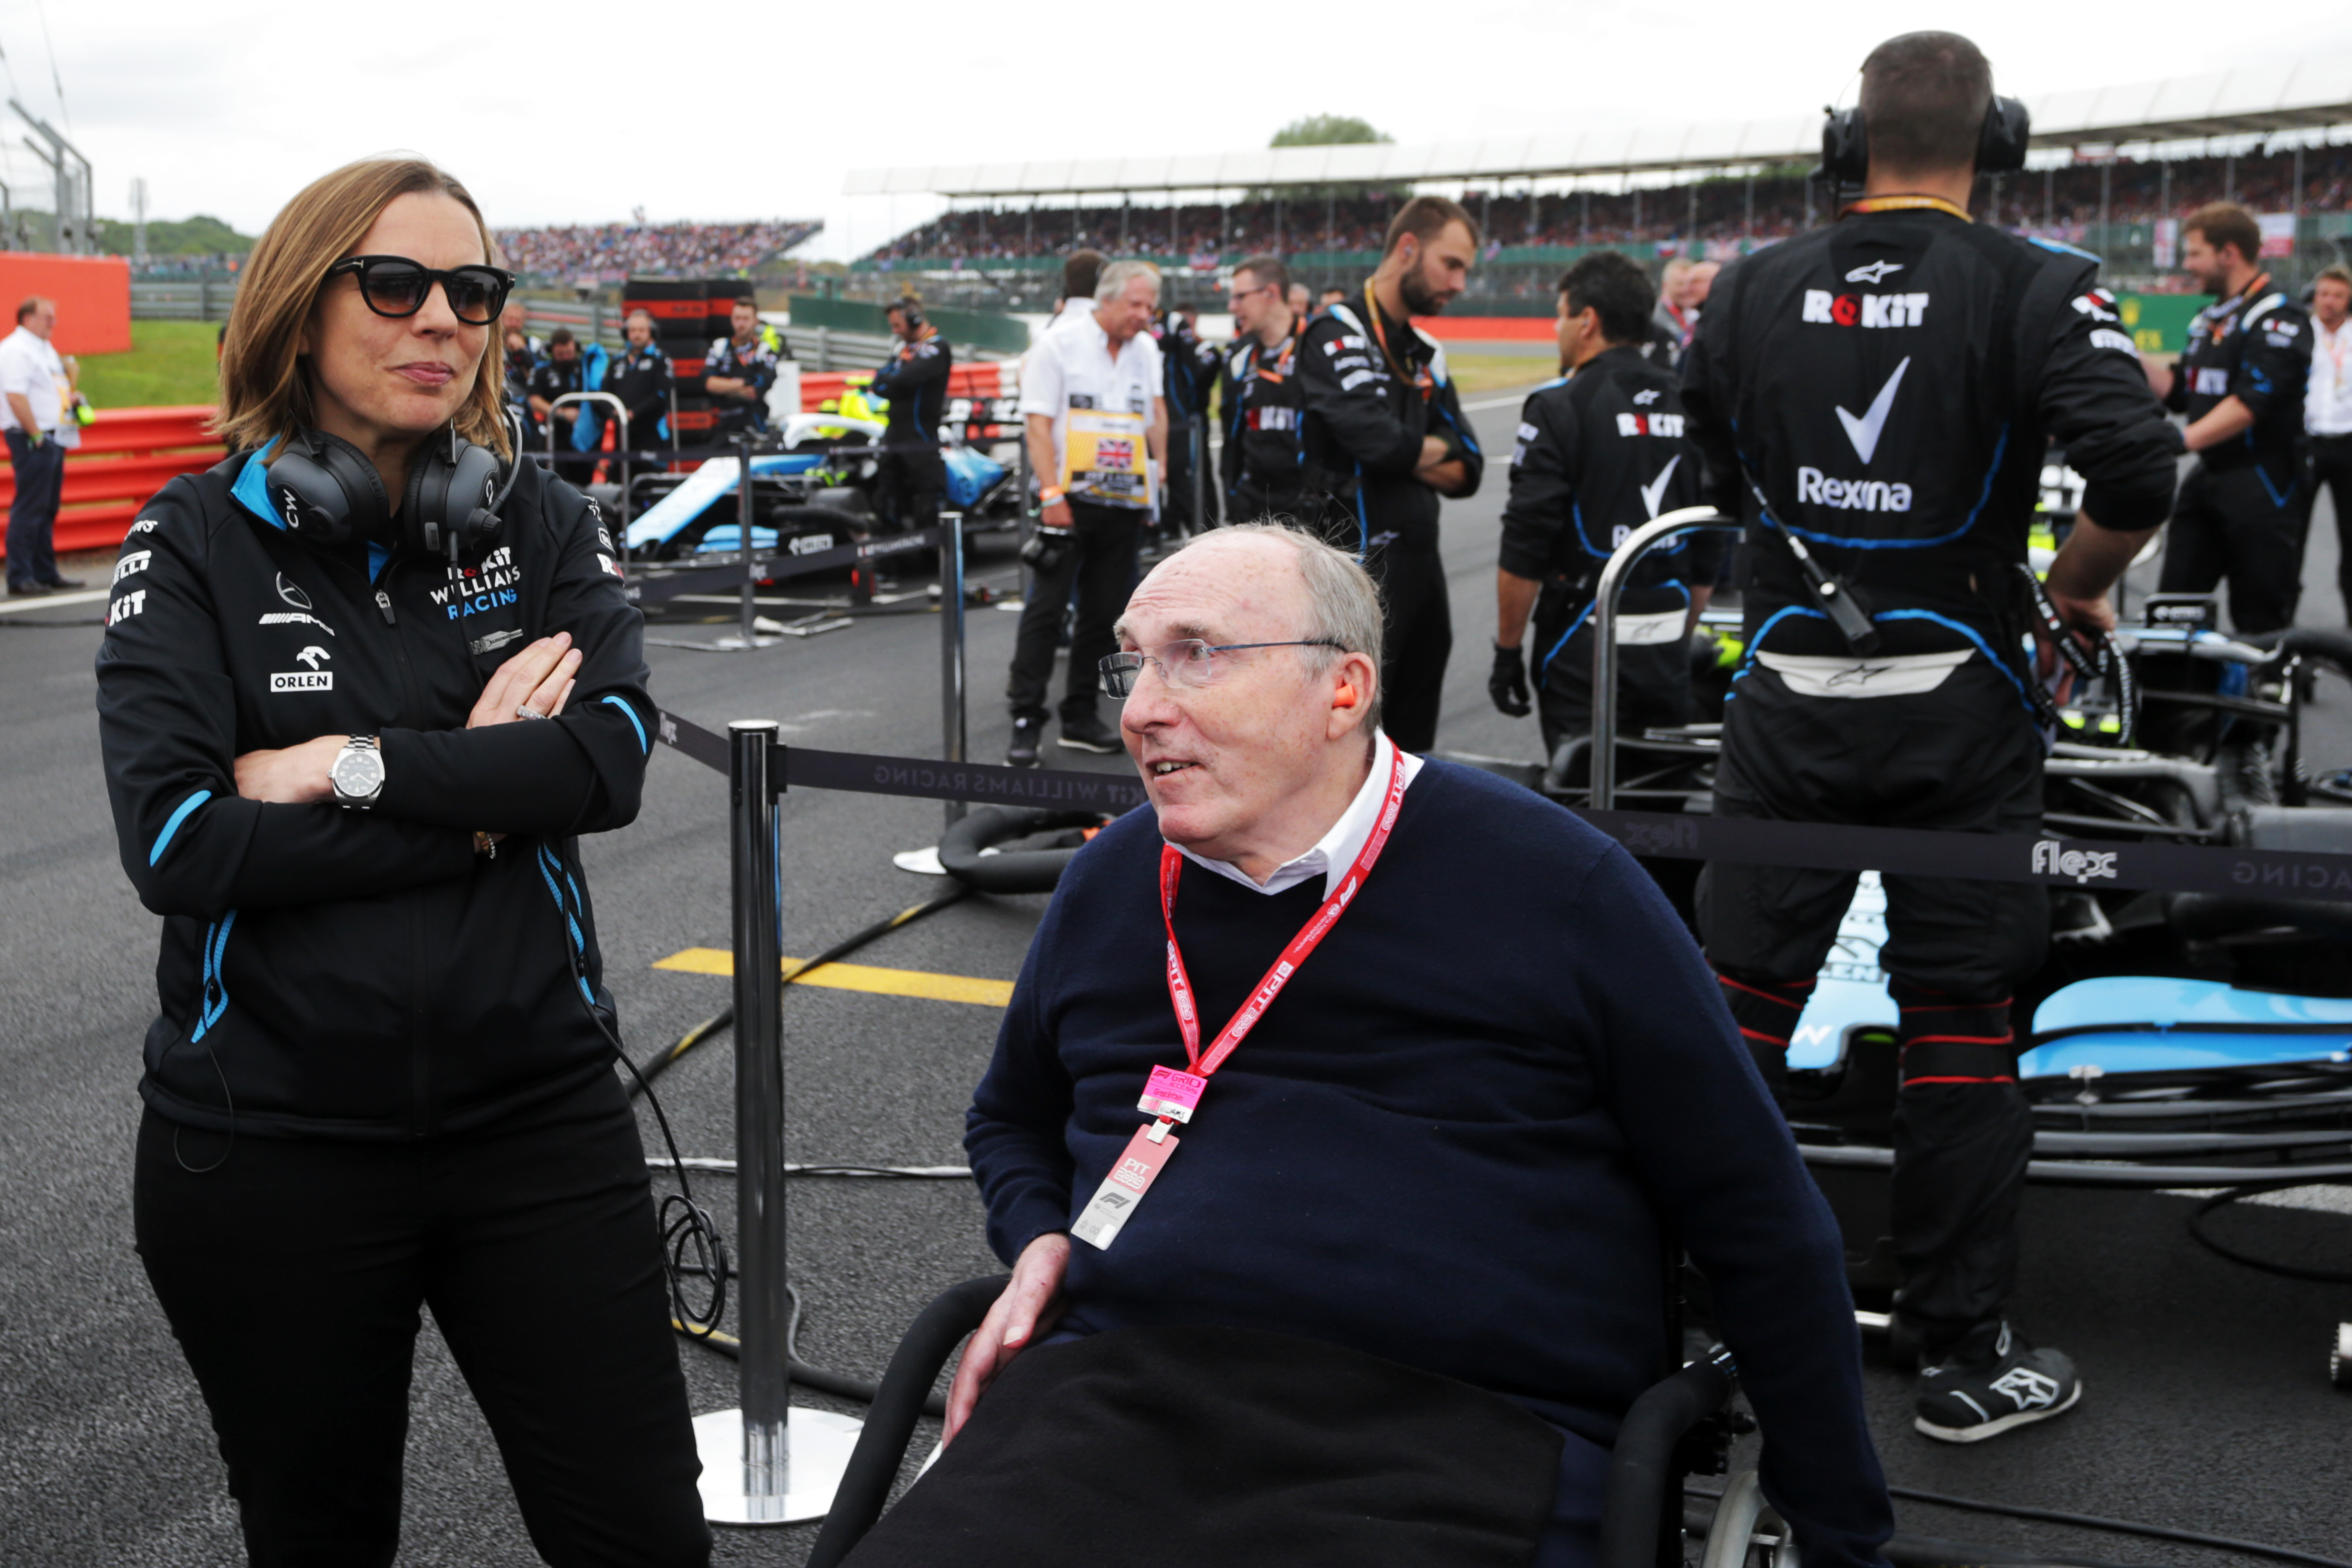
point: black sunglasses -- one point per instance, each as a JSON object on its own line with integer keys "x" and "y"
{"x": 395, "y": 286}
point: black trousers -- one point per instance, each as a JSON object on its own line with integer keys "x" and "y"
{"x": 1184, "y": 475}
{"x": 1099, "y": 566}
{"x": 1418, "y": 639}
{"x": 293, "y": 1276}
{"x": 909, "y": 484}
{"x": 2331, "y": 470}
{"x": 2247, "y": 525}
{"x": 1964, "y": 757}
{"x": 1653, "y": 685}
{"x": 33, "y": 515}
{"x": 1254, "y": 502}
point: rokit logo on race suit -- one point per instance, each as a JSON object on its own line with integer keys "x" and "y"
{"x": 1273, "y": 419}
{"x": 473, "y": 589}
{"x": 1664, "y": 424}
{"x": 1865, "y": 310}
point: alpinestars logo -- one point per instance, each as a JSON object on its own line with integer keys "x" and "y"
{"x": 1877, "y": 273}
{"x": 2029, "y": 1389}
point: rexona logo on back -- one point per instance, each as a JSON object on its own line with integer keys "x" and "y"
{"x": 1865, "y": 310}
{"x": 1816, "y": 489}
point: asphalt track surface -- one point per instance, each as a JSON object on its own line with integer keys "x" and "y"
{"x": 2207, "y": 1403}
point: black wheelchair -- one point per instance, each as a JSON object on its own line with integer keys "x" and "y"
{"x": 1680, "y": 1427}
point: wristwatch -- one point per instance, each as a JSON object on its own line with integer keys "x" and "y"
{"x": 357, "y": 774}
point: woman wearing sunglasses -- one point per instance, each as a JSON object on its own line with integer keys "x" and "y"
{"x": 362, "y": 686}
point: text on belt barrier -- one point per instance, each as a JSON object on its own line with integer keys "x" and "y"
{"x": 1816, "y": 846}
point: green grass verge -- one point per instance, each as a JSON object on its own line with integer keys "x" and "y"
{"x": 170, "y": 363}
{"x": 1498, "y": 373}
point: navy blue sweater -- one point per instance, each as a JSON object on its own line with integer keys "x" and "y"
{"x": 1451, "y": 1141}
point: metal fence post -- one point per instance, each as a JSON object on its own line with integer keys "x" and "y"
{"x": 752, "y": 1472}
{"x": 952, "y": 633}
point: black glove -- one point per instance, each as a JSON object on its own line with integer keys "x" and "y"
{"x": 1508, "y": 684}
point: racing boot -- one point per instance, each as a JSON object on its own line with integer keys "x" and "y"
{"x": 1022, "y": 750}
{"x": 1767, "y": 1011}
{"x": 1990, "y": 1381}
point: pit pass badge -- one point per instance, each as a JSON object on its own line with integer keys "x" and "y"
{"x": 1172, "y": 1093}
{"x": 1131, "y": 1177}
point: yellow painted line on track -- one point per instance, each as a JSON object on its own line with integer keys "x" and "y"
{"x": 859, "y": 977}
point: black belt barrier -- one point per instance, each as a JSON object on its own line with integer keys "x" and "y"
{"x": 1904, "y": 851}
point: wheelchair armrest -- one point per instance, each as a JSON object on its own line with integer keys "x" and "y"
{"x": 897, "y": 1404}
{"x": 1645, "y": 1473}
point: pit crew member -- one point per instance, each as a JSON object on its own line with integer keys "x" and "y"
{"x": 739, "y": 370}
{"x": 1385, "y": 438}
{"x": 2240, "y": 382}
{"x": 1600, "y": 453}
{"x": 1878, "y": 393}
{"x": 1258, "y": 398}
{"x": 911, "y": 477}
{"x": 640, "y": 377}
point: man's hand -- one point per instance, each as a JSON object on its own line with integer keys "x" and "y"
{"x": 296, "y": 775}
{"x": 1031, "y": 1306}
{"x": 539, "y": 677}
{"x": 2088, "y": 566}
{"x": 1055, "y": 514}
{"x": 1508, "y": 683}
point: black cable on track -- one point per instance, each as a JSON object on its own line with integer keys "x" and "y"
{"x": 2247, "y": 1259}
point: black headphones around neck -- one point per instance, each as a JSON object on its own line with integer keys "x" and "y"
{"x": 325, "y": 491}
{"x": 2001, "y": 144}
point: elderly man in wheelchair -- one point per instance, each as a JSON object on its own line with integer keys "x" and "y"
{"x": 1350, "y": 1118}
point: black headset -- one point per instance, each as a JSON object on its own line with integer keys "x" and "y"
{"x": 325, "y": 489}
{"x": 909, "y": 307}
{"x": 2001, "y": 144}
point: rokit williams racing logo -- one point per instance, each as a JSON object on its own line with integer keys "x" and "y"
{"x": 2052, "y": 859}
{"x": 1829, "y": 309}
{"x": 473, "y": 589}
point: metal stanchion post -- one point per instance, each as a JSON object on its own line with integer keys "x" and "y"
{"x": 743, "y": 513}
{"x": 1196, "y": 442}
{"x": 952, "y": 699}
{"x": 759, "y": 1465}
{"x": 1688, "y": 519}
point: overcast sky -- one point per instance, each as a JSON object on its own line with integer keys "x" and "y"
{"x": 581, "y": 110}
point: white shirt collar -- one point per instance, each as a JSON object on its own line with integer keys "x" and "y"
{"x": 1337, "y": 851}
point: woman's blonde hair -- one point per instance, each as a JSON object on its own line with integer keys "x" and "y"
{"x": 265, "y": 394}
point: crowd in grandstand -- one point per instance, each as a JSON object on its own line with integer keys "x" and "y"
{"x": 1729, "y": 209}
{"x": 606, "y": 253}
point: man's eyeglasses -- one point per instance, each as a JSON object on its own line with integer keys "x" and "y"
{"x": 1234, "y": 296}
{"x": 397, "y": 286}
{"x": 1186, "y": 664}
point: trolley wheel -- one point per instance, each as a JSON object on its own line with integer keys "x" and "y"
{"x": 1746, "y": 1532}
{"x": 2340, "y": 1360}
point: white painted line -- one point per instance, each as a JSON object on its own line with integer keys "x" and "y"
{"x": 51, "y": 602}
{"x": 1514, "y": 401}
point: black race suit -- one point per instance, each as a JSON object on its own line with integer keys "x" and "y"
{"x": 1189, "y": 368}
{"x": 1263, "y": 406}
{"x": 1367, "y": 411}
{"x": 371, "y": 1083}
{"x": 552, "y": 378}
{"x": 640, "y": 378}
{"x": 2244, "y": 507}
{"x": 755, "y": 365}
{"x": 911, "y": 478}
{"x": 1600, "y": 454}
{"x": 1886, "y": 387}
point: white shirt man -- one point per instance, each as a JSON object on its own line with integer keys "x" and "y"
{"x": 32, "y": 376}
{"x": 1073, "y": 367}
{"x": 2327, "y": 409}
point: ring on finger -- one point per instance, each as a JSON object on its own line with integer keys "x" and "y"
{"x": 525, "y": 710}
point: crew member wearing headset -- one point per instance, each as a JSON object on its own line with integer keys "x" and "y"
{"x": 640, "y": 377}
{"x": 1385, "y": 438}
{"x": 2240, "y": 382}
{"x": 361, "y": 689}
{"x": 1259, "y": 397}
{"x": 739, "y": 370}
{"x": 1873, "y": 399}
{"x": 911, "y": 478}
{"x": 1601, "y": 452}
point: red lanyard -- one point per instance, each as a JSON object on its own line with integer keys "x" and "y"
{"x": 1422, "y": 381}
{"x": 1310, "y": 936}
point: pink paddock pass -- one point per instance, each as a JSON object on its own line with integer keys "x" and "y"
{"x": 1131, "y": 1177}
{"x": 1171, "y": 1092}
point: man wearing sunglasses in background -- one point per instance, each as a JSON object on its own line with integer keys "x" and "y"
{"x": 1260, "y": 399}
{"x": 1403, "y": 1180}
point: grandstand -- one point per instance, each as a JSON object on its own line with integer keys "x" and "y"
{"x": 613, "y": 252}
{"x": 2114, "y": 171}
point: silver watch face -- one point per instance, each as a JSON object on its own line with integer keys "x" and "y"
{"x": 358, "y": 773}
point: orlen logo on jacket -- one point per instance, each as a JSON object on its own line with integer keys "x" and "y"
{"x": 1667, "y": 425}
{"x": 1865, "y": 310}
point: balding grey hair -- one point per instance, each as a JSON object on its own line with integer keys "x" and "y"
{"x": 1343, "y": 603}
{"x": 1118, "y": 275}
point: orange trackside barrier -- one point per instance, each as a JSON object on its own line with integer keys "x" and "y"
{"x": 125, "y": 456}
{"x": 985, "y": 379}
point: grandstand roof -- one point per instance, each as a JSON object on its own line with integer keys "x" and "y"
{"x": 2308, "y": 92}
